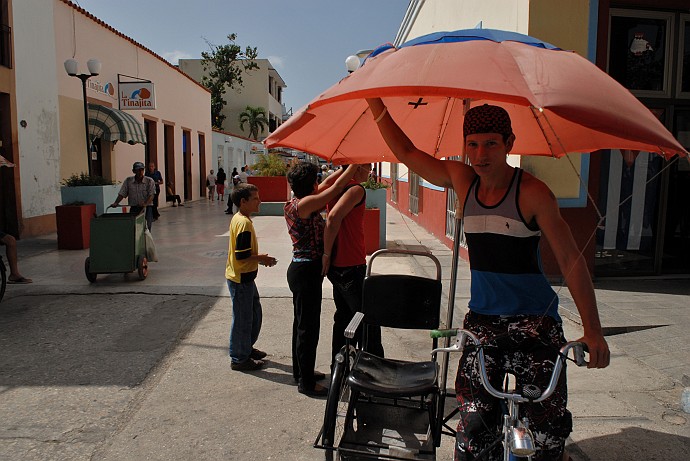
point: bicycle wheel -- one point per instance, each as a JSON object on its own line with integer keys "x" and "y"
{"x": 336, "y": 403}
{"x": 3, "y": 278}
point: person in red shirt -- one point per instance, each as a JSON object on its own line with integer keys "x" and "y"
{"x": 344, "y": 260}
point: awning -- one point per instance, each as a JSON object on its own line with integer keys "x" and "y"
{"x": 5, "y": 162}
{"x": 114, "y": 125}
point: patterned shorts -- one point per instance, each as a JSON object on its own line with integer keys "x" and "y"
{"x": 524, "y": 346}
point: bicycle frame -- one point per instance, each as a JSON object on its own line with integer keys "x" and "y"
{"x": 517, "y": 437}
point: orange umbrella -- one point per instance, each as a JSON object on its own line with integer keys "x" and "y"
{"x": 558, "y": 101}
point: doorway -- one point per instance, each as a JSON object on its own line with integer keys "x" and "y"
{"x": 643, "y": 195}
{"x": 187, "y": 163}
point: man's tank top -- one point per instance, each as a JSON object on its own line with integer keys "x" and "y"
{"x": 505, "y": 267}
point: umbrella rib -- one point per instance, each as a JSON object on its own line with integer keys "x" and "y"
{"x": 535, "y": 113}
{"x": 337, "y": 149}
{"x": 444, "y": 124}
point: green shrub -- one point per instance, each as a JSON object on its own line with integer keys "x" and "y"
{"x": 371, "y": 183}
{"x": 83, "y": 179}
{"x": 270, "y": 165}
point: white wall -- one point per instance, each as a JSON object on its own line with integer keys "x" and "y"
{"x": 180, "y": 101}
{"x": 234, "y": 151}
{"x": 37, "y": 104}
{"x": 443, "y": 15}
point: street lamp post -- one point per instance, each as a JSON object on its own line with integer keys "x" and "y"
{"x": 94, "y": 66}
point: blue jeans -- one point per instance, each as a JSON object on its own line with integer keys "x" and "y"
{"x": 246, "y": 319}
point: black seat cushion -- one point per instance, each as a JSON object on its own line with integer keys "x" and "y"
{"x": 392, "y": 378}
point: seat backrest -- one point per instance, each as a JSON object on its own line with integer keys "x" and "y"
{"x": 401, "y": 301}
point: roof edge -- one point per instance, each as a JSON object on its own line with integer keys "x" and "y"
{"x": 129, "y": 39}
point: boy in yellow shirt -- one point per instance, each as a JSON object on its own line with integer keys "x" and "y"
{"x": 240, "y": 271}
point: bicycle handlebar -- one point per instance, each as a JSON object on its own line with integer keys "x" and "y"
{"x": 529, "y": 393}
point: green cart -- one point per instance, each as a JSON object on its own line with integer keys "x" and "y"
{"x": 118, "y": 245}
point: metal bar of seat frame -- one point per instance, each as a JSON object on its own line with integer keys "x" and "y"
{"x": 443, "y": 419}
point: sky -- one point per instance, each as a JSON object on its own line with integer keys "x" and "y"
{"x": 306, "y": 41}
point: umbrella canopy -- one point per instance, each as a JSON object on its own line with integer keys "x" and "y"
{"x": 558, "y": 101}
{"x": 5, "y": 162}
{"x": 114, "y": 125}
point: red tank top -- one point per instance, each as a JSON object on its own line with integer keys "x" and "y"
{"x": 348, "y": 249}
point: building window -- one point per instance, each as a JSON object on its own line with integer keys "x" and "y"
{"x": 5, "y": 36}
{"x": 640, "y": 51}
{"x": 684, "y": 54}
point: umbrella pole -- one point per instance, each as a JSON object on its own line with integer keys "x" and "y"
{"x": 449, "y": 317}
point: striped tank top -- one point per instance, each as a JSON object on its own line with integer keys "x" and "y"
{"x": 505, "y": 266}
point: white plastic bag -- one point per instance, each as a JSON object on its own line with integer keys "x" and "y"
{"x": 150, "y": 246}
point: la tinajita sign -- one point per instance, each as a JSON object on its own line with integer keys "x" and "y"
{"x": 137, "y": 96}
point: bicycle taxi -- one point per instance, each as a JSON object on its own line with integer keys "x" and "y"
{"x": 394, "y": 409}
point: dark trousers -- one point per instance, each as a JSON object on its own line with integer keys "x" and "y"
{"x": 347, "y": 295}
{"x": 304, "y": 280}
{"x": 135, "y": 210}
{"x": 173, "y": 198}
{"x": 154, "y": 210}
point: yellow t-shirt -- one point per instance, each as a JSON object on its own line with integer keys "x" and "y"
{"x": 242, "y": 245}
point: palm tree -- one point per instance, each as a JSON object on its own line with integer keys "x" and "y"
{"x": 256, "y": 119}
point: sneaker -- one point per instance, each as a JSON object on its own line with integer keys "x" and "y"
{"x": 181, "y": 204}
{"x": 174, "y": 205}
{"x": 257, "y": 354}
{"x": 248, "y": 365}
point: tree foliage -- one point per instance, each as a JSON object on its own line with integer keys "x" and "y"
{"x": 224, "y": 66}
{"x": 256, "y": 120}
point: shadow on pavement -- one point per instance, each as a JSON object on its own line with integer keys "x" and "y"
{"x": 671, "y": 287}
{"x": 632, "y": 441}
{"x": 68, "y": 340}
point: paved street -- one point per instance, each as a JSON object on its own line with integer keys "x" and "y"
{"x": 136, "y": 370}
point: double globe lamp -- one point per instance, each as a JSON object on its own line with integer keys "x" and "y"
{"x": 94, "y": 66}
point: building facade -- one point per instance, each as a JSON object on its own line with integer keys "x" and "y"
{"x": 262, "y": 87}
{"x": 48, "y": 116}
{"x": 645, "y": 45}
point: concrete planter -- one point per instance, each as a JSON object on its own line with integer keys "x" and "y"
{"x": 101, "y": 196}
{"x": 73, "y": 226}
{"x": 376, "y": 198}
{"x": 271, "y": 188}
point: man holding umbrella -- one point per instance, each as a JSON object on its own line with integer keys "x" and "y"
{"x": 512, "y": 306}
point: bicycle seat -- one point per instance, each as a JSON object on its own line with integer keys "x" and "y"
{"x": 392, "y": 378}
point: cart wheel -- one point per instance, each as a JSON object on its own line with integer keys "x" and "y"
{"x": 143, "y": 267}
{"x": 90, "y": 276}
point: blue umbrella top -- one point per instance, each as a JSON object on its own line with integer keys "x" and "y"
{"x": 467, "y": 35}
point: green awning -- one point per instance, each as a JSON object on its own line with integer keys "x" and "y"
{"x": 114, "y": 125}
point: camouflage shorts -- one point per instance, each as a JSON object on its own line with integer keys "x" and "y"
{"x": 524, "y": 346}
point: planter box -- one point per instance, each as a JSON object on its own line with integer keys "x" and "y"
{"x": 376, "y": 198}
{"x": 271, "y": 188}
{"x": 73, "y": 226}
{"x": 371, "y": 230}
{"x": 101, "y": 196}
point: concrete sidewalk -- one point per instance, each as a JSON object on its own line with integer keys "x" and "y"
{"x": 170, "y": 394}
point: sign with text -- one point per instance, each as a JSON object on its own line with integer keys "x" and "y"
{"x": 137, "y": 96}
